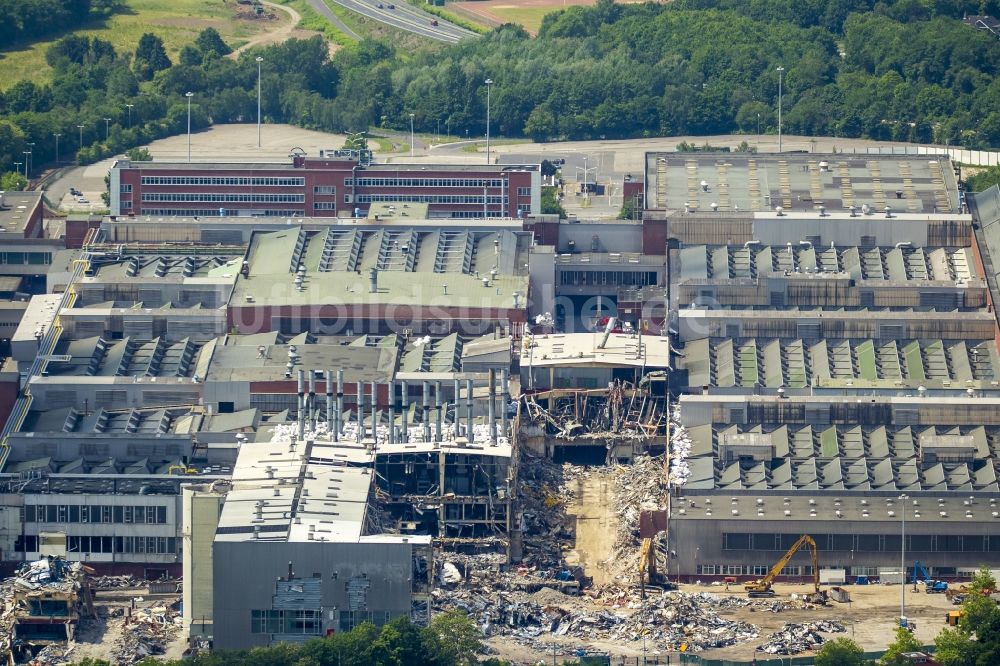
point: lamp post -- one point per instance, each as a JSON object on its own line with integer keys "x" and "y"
{"x": 57, "y": 135}
{"x": 27, "y": 163}
{"x": 130, "y": 115}
{"x": 189, "y": 95}
{"x": 107, "y": 128}
{"x": 17, "y": 167}
{"x": 80, "y": 127}
{"x": 259, "y": 61}
{"x": 902, "y": 558}
{"x": 780, "y": 72}
{"x": 448, "y": 126}
{"x": 489, "y": 83}
{"x": 411, "y": 136}
{"x": 31, "y": 148}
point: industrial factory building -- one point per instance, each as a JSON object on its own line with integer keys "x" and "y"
{"x": 836, "y": 355}
{"x": 339, "y": 183}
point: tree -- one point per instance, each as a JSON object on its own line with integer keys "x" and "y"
{"x": 840, "y": 652}
{"x": 458, "y": 636}
{"x": 905, "y": 642}
{"x": 983, "y": 580}
{"x": 150, "y": 56}
{"x": 209, "y": 41}
{"x": 12, "y": 181}
{"x": 551, "y": 204}
{"x": 955, "y": 647}
{"x": 139, "y": 154}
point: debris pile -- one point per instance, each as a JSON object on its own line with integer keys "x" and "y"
{"x": 115, "y": 582}
{"x": 639, "y": 487}
{"x": 145, "y": 632}
{"x": 47, "y": 598}
{"x": 670, "y": 620}
{"x": 796, "y": 638}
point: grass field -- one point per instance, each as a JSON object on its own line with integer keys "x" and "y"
{"x": 177, "y": 22}
{"x": 529, "y": 18}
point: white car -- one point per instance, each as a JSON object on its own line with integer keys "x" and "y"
{"x": 81, "y": 200}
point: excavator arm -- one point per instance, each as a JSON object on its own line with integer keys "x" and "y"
{"x": 763, "y": 586}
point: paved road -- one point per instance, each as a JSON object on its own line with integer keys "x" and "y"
{"x": 325, "y": 12}
{"x": 404, "y": 16}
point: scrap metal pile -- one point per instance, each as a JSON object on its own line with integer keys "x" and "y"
{"x": 639, "y": 487}
{"x": 620, "y": 412}
{"x": 796, "y": 638}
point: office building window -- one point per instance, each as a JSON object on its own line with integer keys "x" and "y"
{"x": 524, "y": 191}
{"x": 325, "y": 189}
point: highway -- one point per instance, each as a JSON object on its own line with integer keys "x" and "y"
{"x": 404, "y": 17}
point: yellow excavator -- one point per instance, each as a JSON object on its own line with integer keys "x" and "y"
{"x": 649, "y": 574}
{"x": 762, "y": 587}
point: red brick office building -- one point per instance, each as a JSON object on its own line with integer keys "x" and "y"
{"x": 335, "y": 183}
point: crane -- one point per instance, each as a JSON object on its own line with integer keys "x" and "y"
{"x": 762, "y": 587}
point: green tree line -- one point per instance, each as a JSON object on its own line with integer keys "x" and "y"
{"x": 906, "y": 70}
{"x": 28, "y": 20}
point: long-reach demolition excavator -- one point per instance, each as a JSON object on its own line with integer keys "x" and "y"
{"x": 762, "y": 587}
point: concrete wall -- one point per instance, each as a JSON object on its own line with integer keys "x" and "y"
{"x": 245, "y": 574}
{"x": 201, "y": 509}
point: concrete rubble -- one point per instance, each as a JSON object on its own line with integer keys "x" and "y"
{"x": 145, "y": 632}
{"x": 796, "y": 638}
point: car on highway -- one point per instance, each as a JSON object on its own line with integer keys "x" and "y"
{"x": 380, "y": 6}
{"x": 434, "y": 22}
{"x": 75, "y": 192}
{"x": 392, "y": 6}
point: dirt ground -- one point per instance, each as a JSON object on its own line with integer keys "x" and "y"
{"x": 595, "y": 526}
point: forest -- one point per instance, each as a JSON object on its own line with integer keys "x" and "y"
{"x": 903, "y": 70}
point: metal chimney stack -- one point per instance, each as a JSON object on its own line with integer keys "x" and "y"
{"x": 505, "y": 392}
{"x": 492, "y": 407}
{"x": 457, "y": 419}
{"x": 373, "y": 280}
{"x": 392, "y": 410}
{"x": 330, "y": 421}
{"x": 406, "y": 412}
{"x": 426, "y": 412}
{"x": 374, "y": 412}
{"x": 437, "y": 403}
{"x": 302, "y": 404}
{"x": 468, "y": 409}
{"x": 359, "y": 392}
{"x": 312, "y": 400}
{"x": 338, "y": 416}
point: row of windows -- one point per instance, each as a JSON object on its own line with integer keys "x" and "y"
{"x": 222, "y": 180}
{"x": 126, "y": 188}
{"x": 94, "y": 513}
{"x": 28, "y": 543}
{"x": 432, "y": 198}
{"x": 749, "y": 570}
{"x": 307, "y": 622}
{"x": 636, "y": 278}
{"x": 215, "y": 212}
{"x": 325, "y": 205}
{"x": 871, "y": 543}
{"x": 524, "y": 191}
{"x": 324, "y": 189}
{"x": 126, "y": 204}
{"x": 426, "y": 182}
{"x": 31, "y": 258}
{"x": 224, "y": 198}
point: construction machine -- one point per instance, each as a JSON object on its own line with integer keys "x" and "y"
{"x": 931, "y": 586}
{"x": 649, "y": 573}
{"x": 762, "y": 587}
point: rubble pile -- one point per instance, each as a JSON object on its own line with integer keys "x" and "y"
{"x": 680, "y": 449}
{"x": 796, "y": 638}
{"x": 546, "y": 488}
{"x": 669, "y": 620}
{"x": 115, "y": 582}
{"x": 53, "y": 655}
{"x": 146, "y": 632}
{"x": 638, "y": 487}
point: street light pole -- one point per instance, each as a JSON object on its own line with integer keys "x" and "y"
{"x": 31, "y": 148}
{"x": 80, "y": 127}
{"x": 57, "y": 135}
{"x": 17, "y": 167}
{"x": 27, "y": 163}
{"x": 489, "y": 83}
{"x": 189, "y": 95}
{"x": 259, "y": 61}
{"x": 780, "y": 72}
{"x": 107, "y": 128}
{"x": 411, "y": 136}
{"x": 902, "y": 558}
{"x": 130, "y": 115}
